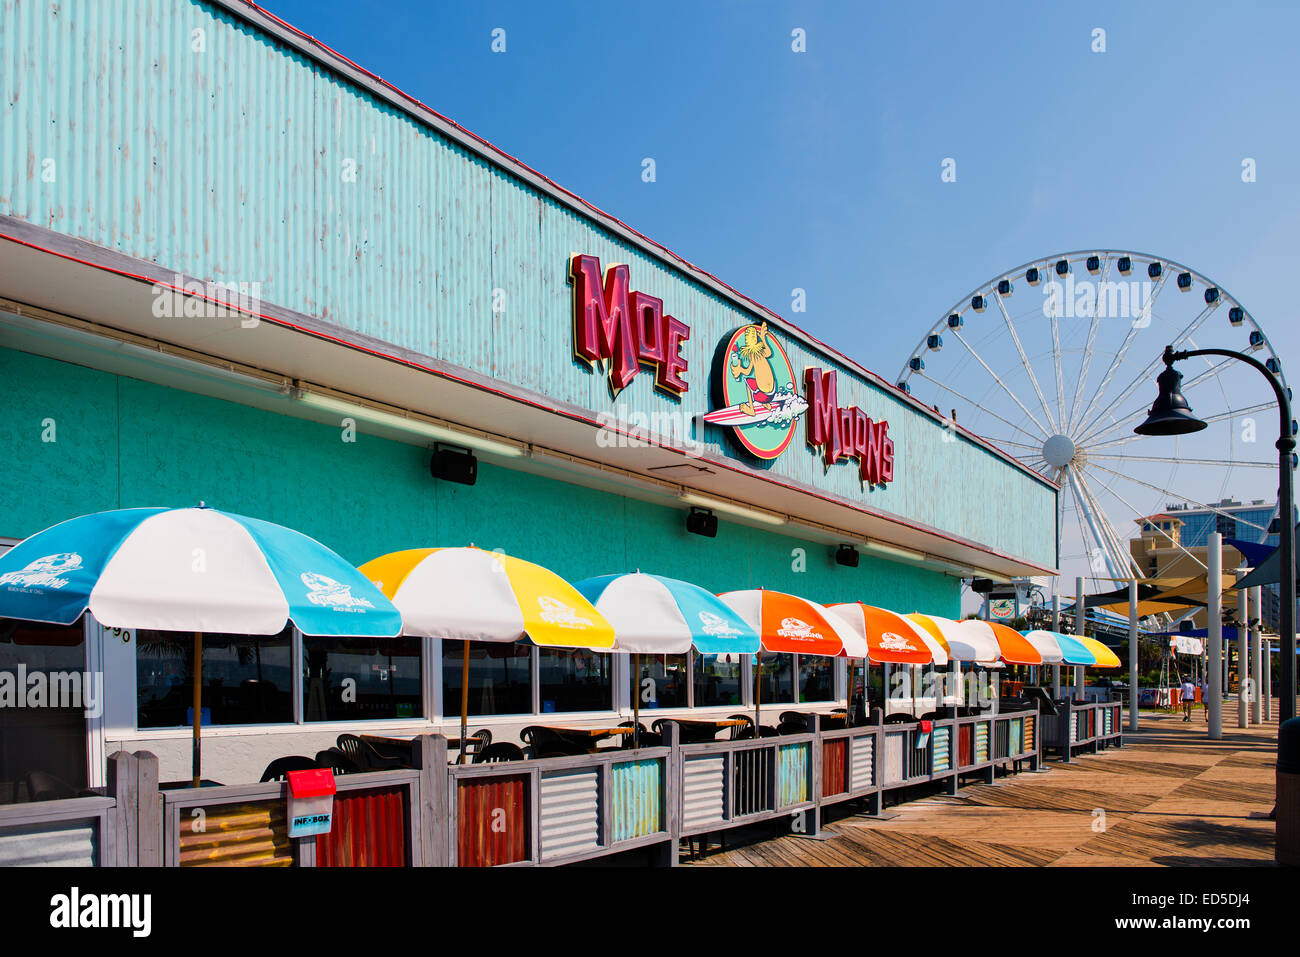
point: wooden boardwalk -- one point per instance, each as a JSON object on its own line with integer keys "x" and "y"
{"x": 1169, "y": 797}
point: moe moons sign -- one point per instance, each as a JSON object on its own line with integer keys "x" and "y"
{"x": 847, "y": 432}
{"x": 627, "y": 329}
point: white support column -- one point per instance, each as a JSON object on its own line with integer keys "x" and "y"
{"x": 1257, "y": 657}
{"x": 1133, "y": 655}
{"x": 1056, "y": 626}
{"x": 1214, "y": 627}
{"x": 1080, "y": 628}
{"x": 1243, "y": 655}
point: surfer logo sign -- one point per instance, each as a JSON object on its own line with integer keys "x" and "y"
{"x": 796, "y": 628}
{"x": 717, "y": 626}
{"x": 890, "y": 641}
{"x": 760, "y": 399}
{"x": 326, "y": 591}
{"x": 556, "y": 612}
{"x": 45, "y": 572}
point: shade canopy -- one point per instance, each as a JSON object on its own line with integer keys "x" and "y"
{"x": 654, "y": 615}
{"x": 890, "y": 638}
{"x": 788, "y": 623}
{"x": 190, "y": 570}
{"x": 470, "y": 594}
{"x": 1012, "y": 646}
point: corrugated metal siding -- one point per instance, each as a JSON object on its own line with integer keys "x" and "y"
{"x": 918, "y": 758}
{"x": 637, "y": 793}
{"x": 492, "y": 820}
{"x": 1031, "y": 726}
{"x": 941, "y": 744}
{"x": 1002, "y": 739}
{"x": 965, "y": 745}
{"x": 369, "y": 830}
{"x": 1016, "y": 739}
{"x": 570, "y": 812}
{"x": 895, "y": 760}
{"x": 752, "y": 780}
{"x": 55, "y": 844}
{"x": 981, "y": 742}
{"x": 834, "y": 769}
{"x": 247, "y": 163}
{"x": 792, "y": 761}
{"x": 864, "y": 756}
{"x": 236, "y": 835}
{"x": 704, "y": 798}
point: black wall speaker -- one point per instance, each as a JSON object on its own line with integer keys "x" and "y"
{"x": 702, "y": 522}
{"x": 454, "y": 465}
{"x": 846, "y": 555}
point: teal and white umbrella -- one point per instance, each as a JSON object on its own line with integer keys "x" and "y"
{"x": 655, "y": 615}
{"x": 190, "y": 570}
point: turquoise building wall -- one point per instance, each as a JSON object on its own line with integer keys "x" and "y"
{"x": 121, "y": 442}
{"x": 174, "y": 132}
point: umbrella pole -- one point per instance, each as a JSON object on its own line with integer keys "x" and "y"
{"x": 464, "y": 702}
{"x": 636, "y": 702}
{"x": 758, "y": 695}
{"x": 195, "y": 759}
{"x": 848, "y": 701}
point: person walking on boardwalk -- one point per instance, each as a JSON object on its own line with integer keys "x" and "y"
{"x": 1189, "y": 696}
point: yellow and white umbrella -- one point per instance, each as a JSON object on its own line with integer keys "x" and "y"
{"x": 470, "y": 594}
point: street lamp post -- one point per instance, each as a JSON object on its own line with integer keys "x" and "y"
{"x": 1171, "y": 415}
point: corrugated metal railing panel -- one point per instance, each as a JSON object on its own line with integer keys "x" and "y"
{"x": 752, "y": 780}
{"x": 704, "y": 791}
{"x": 1075, "y": 720}
{"x": 942, "y": 745}
{"x": 918, "y": 758}
{"x": 1016, "y": 737}
{"x": 1001, "y": 739}
{"x": 369, "y": 830}
{"x": 864, "y": 756}
{"x": 239, "y": 835}
{"x": 1031, "y": 725}
{"x": 570, "y": 812}
{"x": 981, "y": 742}
{"x": 965, "y": 745}
{"x": 793, "y": 760}
{"x": 834, "y": 756}
{"x": 52, "y": 844}
{"x": 895, "y": 769}
{"x": 637, "y": 793}
{"x": 492, "y": 820}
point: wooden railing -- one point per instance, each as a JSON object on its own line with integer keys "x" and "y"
{"x": 540, "y": 811}
{"x": 1079, "y": 727}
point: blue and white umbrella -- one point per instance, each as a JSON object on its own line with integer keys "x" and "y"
{"x": 654, "y": 615}
{"x": 190, "y": 570}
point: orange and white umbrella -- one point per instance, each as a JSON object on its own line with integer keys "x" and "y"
{"x": 891, "y": 638}
{"x": 788, "y": 623}
{"x": 1013, "y": 647}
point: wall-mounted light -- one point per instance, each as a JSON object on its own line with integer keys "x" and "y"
{"x": 729, "y": 508}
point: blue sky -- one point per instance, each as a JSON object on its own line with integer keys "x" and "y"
{"x": 821, "y": 170}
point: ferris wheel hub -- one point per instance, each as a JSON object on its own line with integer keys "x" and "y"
{"x": 1058, "y": 451}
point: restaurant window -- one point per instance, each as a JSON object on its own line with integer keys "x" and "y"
{"x": 876, "y": 686}
{"x": 662, "y": 681}
{"x": 776, "y": 675}
{"x": 816, "y": 678}
{"x": 500, "y": 677}
{"x": 247, "y": 679}
{"x": 717, "y": 680}
{"x": 43, "y": 736}
{"x": 361, "y": 679}
{"x": 574, "y": 680}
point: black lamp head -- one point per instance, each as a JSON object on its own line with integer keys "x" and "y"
{"x": 1170, "y": 414}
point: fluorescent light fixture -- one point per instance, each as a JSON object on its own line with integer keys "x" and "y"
{"x": 992, "y": 576}
{"x": 409, "y": 423}
{"x": 893, "y": 551}
{"x": 740, "y": 511}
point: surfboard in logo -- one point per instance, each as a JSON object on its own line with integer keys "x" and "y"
{"x": 322, "y": 590}
{"x": 45, "y": 572}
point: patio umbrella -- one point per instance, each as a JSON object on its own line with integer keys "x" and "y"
{"x": 655, "y": 615}
{"x": 1013, "y": 648}
{"x": 1105, "y": 657}
{"x": 1045, "y": 643}
{"x": 190, "y": 570}
{"x": 469, "y": 594}
{"x": 890, "y": 638}
{"x": 788, "y": 623}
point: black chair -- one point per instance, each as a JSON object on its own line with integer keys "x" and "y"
{"x": 336, "y": 761}
{"x": 354, "y": 748}
{"x": 647, "y": 739}
{"x": 741, "y": 732}
{"x": 792, "y": 727}
{"x": 46, "y": 787}
{"x": 792, "y": 717}
{"x": 495, "y": 753}
{"x": 477, "y": 742}
{"x": 932, "y": 716}
{"x": 766, "y": 732}
{"x": 545, "y": 743}
{"x": 899, "y": 717}
{"x": 278, "y": 770}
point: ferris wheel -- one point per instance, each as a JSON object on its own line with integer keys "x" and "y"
{"x": 1055, "y": 363}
